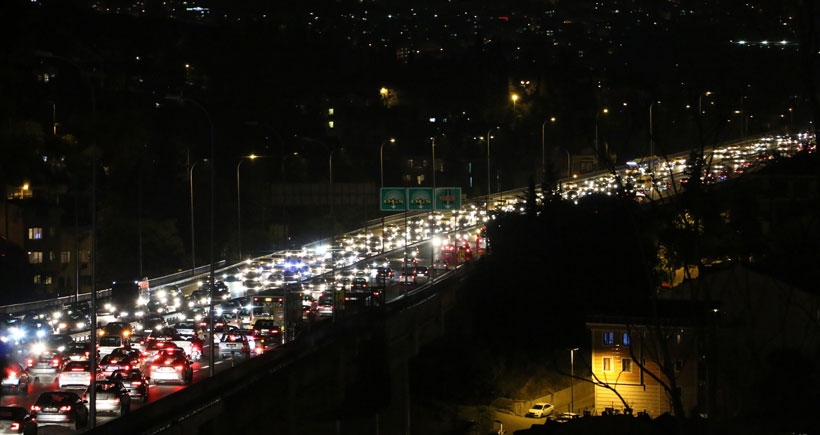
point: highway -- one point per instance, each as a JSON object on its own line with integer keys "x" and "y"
{"x": 462, "y": 225}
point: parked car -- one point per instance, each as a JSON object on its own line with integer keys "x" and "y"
{"x": 61, "y": 407}
{"x": 16, "y": 420}
{"x": 540, "y": 410}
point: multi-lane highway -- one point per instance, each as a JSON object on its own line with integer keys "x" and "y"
{"x": 394, "y": 242}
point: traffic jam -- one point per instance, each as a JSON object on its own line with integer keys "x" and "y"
{"x": 151, "y": 342}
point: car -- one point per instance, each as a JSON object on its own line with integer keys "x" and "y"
{"x": 123, "y": 329}
{"x": 235, "y": 344}
{"x": 119, "y": 359}
{"x": 153, "y": 348}
{"x": 359, "y": 283}
{"x": 186, "y": 329}
{"x": 407, "y": 276}
{"x": 135, "y": 382}
{"x": 107, "y": 343}
{"x": 540, "y": 410}
{"x": 44, "y": 367}
{"x": 60, "y": 407}
{"x": 440, "y": 264}
{"x": 111, "y": 396}
{"x": 16, "y": 420}
{"x": 75, "y": 374}
{"x": 151, "y": 322}
{"x": 78, "y": 351}
{"x": 325, "y": 306}
{"x": 15, "y": 378}
{"x": 566, "y": 416}
{"x": 171, "y": 365}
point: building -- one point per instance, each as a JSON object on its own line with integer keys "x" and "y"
{"x": 635, "y": 362}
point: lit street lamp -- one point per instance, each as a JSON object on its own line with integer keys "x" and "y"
{"x": 597, "y": 151}
{"x": 543, "y": 155}
{"x": 488, "y": 170}
{"x": 193, "y": 238}
{"x": 514, "y": 98}
{"x": 381, "y": 158}
{"x": 700, "y": 101}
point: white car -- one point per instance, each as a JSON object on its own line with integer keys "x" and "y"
{"x": 540, "y": 410}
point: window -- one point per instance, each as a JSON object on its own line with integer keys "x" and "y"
{"x": 65, "y": 257}
{"x": 606, "y": 364}
{"x": 609, "y": 338}
{"x": 85, "y": 256}
{"x": 35, "y": 233}
{"x": 626, "y": 365}
{"x": 42, "y": 279}
{"x": 627, "y": 340}
{"x": 35, "y": 257}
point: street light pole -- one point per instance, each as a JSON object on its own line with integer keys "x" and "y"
{"x": 330, "y": 186}
{"x": 651, "y": 137}
{"x": 381, "y": 172}
{"x": 572, "y": 378}
{"x": 700, "y": 100}
{"x": 193, "y": 238}
{"x": 212, "y": 270}
{"x": 433, "y": 165}
{"x": 381, "y": 158}
{"x": 239, "y": 204}
{"x": 569, "y": 163}
{"x": 543, "y": 153}
{"x": 597, "y": 151}
{"x": 489, "y": 187}
{"x": 92, "y": 390}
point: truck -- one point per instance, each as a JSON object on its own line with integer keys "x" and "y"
{"x": 454, "y": 254}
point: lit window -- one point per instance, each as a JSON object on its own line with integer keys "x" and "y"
{"x": 626, "y": 365}
{"x": 627, "y": 340}
{"x": 609, "y": 338}
{"x": 35, "y": 233}
{"x": 330, "y": 111}
{"x": 65, "y": 257}
{"x": 35, "y": 257}
{"x": 606, "y": 364}
{"x": 330, "y": 124}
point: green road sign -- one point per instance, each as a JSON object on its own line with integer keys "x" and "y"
{"x": 447, "y": 198}
{"x": 420, "y": 198}
{"x": 393, "y": 198}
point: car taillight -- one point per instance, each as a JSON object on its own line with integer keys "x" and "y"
{"x": 35, "y": 408}
{"x": 154, "y": 367}
{"x": 29, "y": 362}
{"x": 15, "y": 427}
{"x": 65, "y": 408}
{"x": 126, "y": 367}
{"x": 55, "y": 362}
{"x": 179, "y": 367}
{"x": 136, "y": 383}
